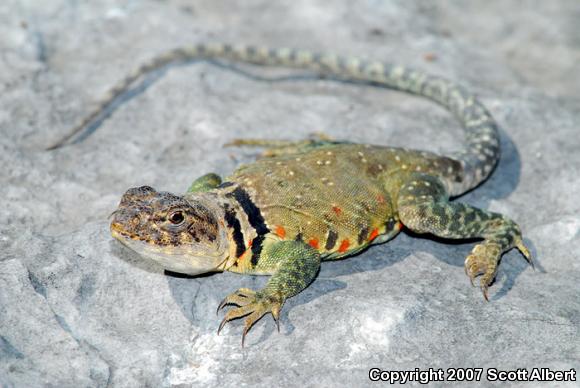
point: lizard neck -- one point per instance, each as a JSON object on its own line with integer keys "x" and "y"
{"x": 243, "y": 222}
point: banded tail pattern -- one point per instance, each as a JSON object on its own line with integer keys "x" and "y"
{"x": 478, "y": 157}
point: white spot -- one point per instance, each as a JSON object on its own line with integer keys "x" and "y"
{"x": 327, "y": 162}
{"x": 298, "y": 159}
{"x": 397, "y": 158}
{"x": 449, "y": 169}
{"x": 404, "y": 166}
{"x": 196, "y": 373}
{"x": 116, "y": 13}
{"x": 361, "y": 154}
{"x": 331, "y": 183}
{"x": 324, "y": 179}
{"x": 488, "y": 152}
{"x": 298, "y": 196}
{"x": 418, "y": 168}
{"x": 319, "y": 162}
{"x": 291, "y": 173}
{"x": 427, "y": 184}
{"x": 373, "y": 332}
{"x": 566, "y": 229}
{"x": 278, "y": 163}
{"x": 329, "y": 153}
{"x": 380, "y": 166}
{"x": 363, "y": 160}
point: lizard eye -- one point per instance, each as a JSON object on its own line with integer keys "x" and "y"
{"x": 176, "y": 217}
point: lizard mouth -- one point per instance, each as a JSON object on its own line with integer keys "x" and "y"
{"x": 120, "y": 233}
{"x": 117, "y": 229}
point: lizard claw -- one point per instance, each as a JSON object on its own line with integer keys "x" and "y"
{"x": 468, "y": 275}
{"x": 276, "y": 315}
{"x": 484, "y": 291}
{"x": 252, "y": 305}
{"x": 239, "y": 298}
{"x": 483, "y": 261}
{"x": 525, "y": 252}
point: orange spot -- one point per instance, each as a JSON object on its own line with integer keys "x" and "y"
{"x": 344, "y": 246}
{"x": 374, "y": 234}
{"x": 313, "y": 242}
{"x": 337, "y": 210}
{"x": 250, "y": 242}
{"x": 381, "y": 198}
{"x": 280, "y": 231}
{"x": 399, "y": 225}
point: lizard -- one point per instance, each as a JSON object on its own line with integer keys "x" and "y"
{"x": 310, "y": 201}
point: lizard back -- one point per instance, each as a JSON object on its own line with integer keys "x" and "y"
{"x": 334, "y": 197}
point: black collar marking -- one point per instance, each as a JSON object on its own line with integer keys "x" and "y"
{"x": 234, "y": 223}
{"x": 255, "y": 219}
{"x": 254, "y": 215}
{"x": 257, "y": 249}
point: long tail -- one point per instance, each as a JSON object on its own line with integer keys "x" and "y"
{"x": 478, "y": 157}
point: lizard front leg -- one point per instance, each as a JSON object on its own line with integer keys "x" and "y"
{"x": 424, "y": 208}
{"x": 296, "y": 265}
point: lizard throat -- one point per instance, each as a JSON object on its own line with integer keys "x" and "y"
{"x": 181, "y": 259}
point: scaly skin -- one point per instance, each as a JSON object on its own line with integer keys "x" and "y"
{"x": 310, "y": 201}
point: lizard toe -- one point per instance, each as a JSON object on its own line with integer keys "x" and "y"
{"x": 483, "y": 261}
{"x": 252, "y": 304}
{"x": 241, "y": 297}
{"x": 524, "y": 251}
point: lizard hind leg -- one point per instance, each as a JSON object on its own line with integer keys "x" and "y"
{"x": 283, "y": 147}
{"x": 424, "y": 208}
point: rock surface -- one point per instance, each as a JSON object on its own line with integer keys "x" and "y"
{"x": 78, "y": 310}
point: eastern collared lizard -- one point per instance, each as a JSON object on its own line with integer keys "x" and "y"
{"x": 317, "y": 200}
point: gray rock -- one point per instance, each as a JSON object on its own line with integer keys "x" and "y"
{"x": 76, "y": 309}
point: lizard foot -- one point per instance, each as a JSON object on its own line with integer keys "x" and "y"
{"x": 252, "y": 304}
{"x": 484, "y": 259}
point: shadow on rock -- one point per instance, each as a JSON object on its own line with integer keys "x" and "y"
{"x": 133, "y": 258}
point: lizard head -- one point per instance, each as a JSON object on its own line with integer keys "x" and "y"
{"x": 181, "y": 234}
